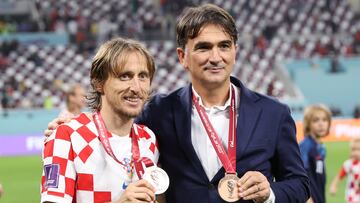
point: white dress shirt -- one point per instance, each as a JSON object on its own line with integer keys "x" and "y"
{"x": 219, "y": 118}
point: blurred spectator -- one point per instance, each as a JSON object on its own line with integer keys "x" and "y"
{"x": 12, "y": 84}
{"x": 357, "y": 111}
{"x": 34, "y": 57}
{"x": 5, "y": 102}
{"x": 4, "y": 62}
{"x": 261, "y": 44}
{"x": 75, "y": 101}
{"x": 1, "y": 190}
{"x": 320, "y": 49}
{"x": 25, "y": 103}
{"x": 270, "y": 30}
{"x": 357, "y": 42}
{"x": 7, "y": 46}
{"x": 335, "y": 66}
{"x": 104, "y": 28}
{"x": 335, "y": 111}
{"x": 48, "y": 103}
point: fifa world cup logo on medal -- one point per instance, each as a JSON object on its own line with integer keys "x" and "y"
{"x": 230, "y": 187}
{"x": 158, "y": 178}
{"x": 154, "y": 176}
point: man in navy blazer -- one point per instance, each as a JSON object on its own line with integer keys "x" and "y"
{"x": 268, "y": 161}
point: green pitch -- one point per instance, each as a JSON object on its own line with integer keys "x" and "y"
{"x": 337, "y": 153}
{"x": 20, "y": 176}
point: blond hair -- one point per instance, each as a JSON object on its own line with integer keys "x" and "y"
{"x": 309, "y": 114}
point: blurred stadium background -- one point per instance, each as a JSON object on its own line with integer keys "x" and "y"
{"x": 299, "y": 51}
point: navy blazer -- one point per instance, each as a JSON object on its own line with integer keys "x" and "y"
{"x": 266, "y": 142}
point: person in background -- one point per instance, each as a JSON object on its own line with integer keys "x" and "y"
{"x": 75, "y": 101}
{"x": 92, "y": 159}
{"x": 317, "y": 121}
{"x": 1, "y": 190}
{"x": 351, "y": 170}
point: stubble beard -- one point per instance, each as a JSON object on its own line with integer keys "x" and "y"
{"x": 121, "y": 112}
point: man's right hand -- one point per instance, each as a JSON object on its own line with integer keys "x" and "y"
{"x": 54, "y": 124}
{"x": 138, "y": 192}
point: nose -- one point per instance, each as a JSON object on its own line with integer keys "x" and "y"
{"x": 215, "y": 55}
{"x": 135, "y": 84}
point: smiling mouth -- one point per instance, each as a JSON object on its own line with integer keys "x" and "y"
{"x": 213, "y": 68}
{"x": 133, "y": 99}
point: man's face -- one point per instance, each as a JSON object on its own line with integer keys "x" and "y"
{"x": 78, "y": 98}
{"x": 209, "y": 57}
{"x": 127, "y": 93}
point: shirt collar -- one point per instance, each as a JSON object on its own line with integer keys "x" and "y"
{"x": 221, "y": 108}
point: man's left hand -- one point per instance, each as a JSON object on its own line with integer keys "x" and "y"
{"x": 254, "y": 186}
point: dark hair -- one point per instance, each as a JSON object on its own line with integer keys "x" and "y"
{"x": 194, "y": 18}
{"x": 109, "y": 61}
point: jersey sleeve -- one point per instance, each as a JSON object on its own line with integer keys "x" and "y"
{"x": 58, "y": 177}
{"x": 346, "y": 167}
{"x": 342, "y": 173}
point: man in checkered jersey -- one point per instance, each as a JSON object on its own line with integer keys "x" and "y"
{"x": 90, "y": 159}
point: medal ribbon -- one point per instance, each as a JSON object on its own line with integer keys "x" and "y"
{"x": 101, "y": 128}
{"x": 136, "y": 155}
{"x": 227, "y": 160}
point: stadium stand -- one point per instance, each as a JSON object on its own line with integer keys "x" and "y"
{"x": 271, "y": 32}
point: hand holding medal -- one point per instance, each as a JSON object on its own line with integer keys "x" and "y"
{"x": 253, "y": 185}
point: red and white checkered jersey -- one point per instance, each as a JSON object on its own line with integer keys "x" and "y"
{"x": 351, "y": 169}
{"x": 78, "y": 169}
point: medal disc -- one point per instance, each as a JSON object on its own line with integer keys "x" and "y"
{"x": 228, "y": 189}
{"x": 158, "y": 178}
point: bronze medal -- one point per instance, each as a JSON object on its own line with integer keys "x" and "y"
{"x": 228, "y": 189}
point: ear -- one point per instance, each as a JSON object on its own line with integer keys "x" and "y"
{"x": 181, "y": 55}
{"x": 236, "y": 51}
{"x": 99, "y": 88}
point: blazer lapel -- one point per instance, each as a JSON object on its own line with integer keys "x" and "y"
{"x": 248, "y": 114}
{"x": 182, "y": 116}
{"x": 247, "y": 119}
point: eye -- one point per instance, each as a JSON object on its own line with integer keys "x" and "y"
{"x": 225, "y": 46}
{"x": 202, "y": 47}
{"x": 125, "y": 76}
{"x": 144, "y": 75}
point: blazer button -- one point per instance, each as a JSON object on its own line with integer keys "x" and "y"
{"x": 211, "y": 186}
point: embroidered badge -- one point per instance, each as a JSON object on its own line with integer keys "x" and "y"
{"x": 51, "y": 175}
